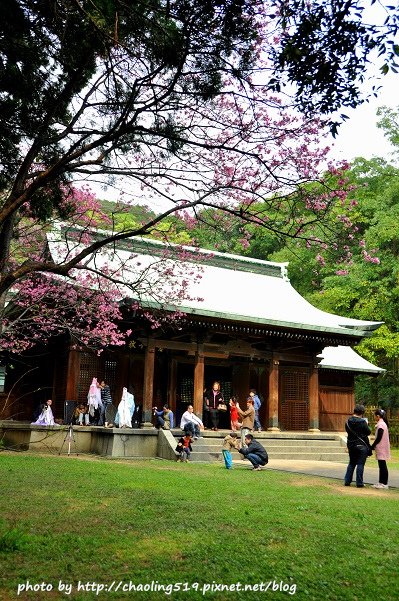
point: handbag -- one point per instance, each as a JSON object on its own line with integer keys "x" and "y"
{"x": 364, "y": 442}
{"x": 222, "y": 407}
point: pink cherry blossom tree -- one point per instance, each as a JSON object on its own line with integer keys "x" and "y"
{"x": 181, "y": 116}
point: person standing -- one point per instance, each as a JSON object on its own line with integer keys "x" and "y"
{"x": 382, "y": 447}
{"x": 212, "y": 400}
{"x": 206, "y": 415}
{"x": 229, "y": 444}
{"x": 254, "y": 452}
{"x": 248, "y": 418}
{"x": 123, "y": 418}
{"x": 358, "y": 445}
{"x": 257, "y": 404}
{"x": 235, "y": 424}
{"x": 94, "y": 401}
{"x": 106, "y": 416}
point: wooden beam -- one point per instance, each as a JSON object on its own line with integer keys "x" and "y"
{"x": 172, "y": 385}
{"x": 173, "y": 345}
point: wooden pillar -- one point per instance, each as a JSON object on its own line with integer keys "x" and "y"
{"x": 172, "y": 385}
{"x": 314, "y": 408}
{"x": 273, "y": 395}
{"x": 199, "y": 370}
{"x": 148, "y": 388}
{"x": 73, "y": 372}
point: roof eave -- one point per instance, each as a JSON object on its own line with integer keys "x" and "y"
{"x": 350, "y": 332}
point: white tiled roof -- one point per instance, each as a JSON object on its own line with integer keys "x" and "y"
{"x": 345, "y": 358}
{"x": 231, "y": 287}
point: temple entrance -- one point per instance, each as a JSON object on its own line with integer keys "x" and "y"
{"x": 185, "y": 388}
{"x": 217, "y": 373}
{"x": 294, "y": 398}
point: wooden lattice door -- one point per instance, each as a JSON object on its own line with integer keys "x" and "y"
{"x": 90, "y": 367}
{"x": 94, "y": 366}
{"x": 294, "y": 399}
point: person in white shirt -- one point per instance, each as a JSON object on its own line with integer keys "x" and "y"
{"x": 190, "y": 423}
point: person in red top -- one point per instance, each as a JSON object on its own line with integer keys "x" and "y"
{"x": 184, "y": 448}
{"x": 235, "y": 424}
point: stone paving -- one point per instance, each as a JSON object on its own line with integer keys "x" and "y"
{"x": 326, "y": 469}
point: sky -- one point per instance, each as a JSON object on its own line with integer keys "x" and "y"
{"x": 359, "y": 136}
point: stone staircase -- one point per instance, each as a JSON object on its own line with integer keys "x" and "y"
{"x": 299, "y": 446}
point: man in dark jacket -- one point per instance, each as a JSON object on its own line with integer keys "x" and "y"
{"x": 254, "y": 451}
{"x": 358, "y": 445}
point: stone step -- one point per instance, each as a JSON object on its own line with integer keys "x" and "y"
{"x": 277, "y": 442}
{"x": 294, "y": 446}
{"x": 304, "y": 437}
{"x": 267, "y": 433}
{"x": 198, "y": 444}
{"x": 204, "y": 442}
{"x": 318, "y": 456}
{"x": 208, "y": 448}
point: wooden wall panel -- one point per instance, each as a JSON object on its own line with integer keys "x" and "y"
{"x": 336, "y": 403}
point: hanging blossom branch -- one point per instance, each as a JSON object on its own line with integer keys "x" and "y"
{"x": 195, "y": 127}
{"x": 87, "y": 302}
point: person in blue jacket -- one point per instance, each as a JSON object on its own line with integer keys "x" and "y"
{"x": 257, "y": 404}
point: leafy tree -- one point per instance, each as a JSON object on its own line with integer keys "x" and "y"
{"x": 366, "y": 285}
{"x": 167, "y": 99}
{"x": 326, "y": 47}
{"x": 389, "y": 122}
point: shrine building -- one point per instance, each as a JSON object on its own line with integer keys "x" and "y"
{"x": 242, "y": 324}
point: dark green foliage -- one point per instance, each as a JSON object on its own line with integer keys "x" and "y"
{"x": 86, "y": 86}
{"x": 326, "y": 48}
{"x": 49, "y": 50}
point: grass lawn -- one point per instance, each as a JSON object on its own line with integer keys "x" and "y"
{"x": 100, "y": 521}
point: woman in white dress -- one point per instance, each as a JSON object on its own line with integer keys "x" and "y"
{"x": 46, "y": 417}
{"x": 123, "y": 418}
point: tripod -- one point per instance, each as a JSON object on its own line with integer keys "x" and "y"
{"x": 69, "y": 437}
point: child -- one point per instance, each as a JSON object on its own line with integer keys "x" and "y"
{"x": 229, "y": 444}
{"x": 184, "y": 448}
{"x": 235, "y": 424}
{"x": 381, "y": 446}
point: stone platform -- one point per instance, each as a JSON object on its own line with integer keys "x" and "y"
{"x": 149, "y": 442}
